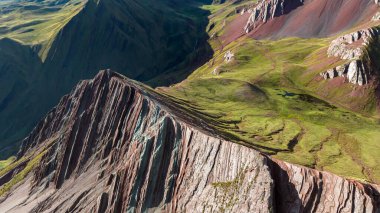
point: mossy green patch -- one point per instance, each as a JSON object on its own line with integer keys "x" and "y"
{"x": 21, "y": 175}
{"x": 5, "y": 163}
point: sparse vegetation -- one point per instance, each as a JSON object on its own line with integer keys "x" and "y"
{"x": 230, "y": 191}
{"x": 21, "y": 175}
{"x": 5, "y": 163}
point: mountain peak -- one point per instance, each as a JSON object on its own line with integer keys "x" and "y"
{"x": 112, "y": 144}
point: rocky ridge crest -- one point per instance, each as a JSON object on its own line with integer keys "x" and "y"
{"x": 269, "y": 9}
{"x": 113, "y": 145}
{"x": 352, "y": 47}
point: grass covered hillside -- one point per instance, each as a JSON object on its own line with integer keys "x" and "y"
{"x": 36, "y": 22}
{"x": 47, "y": 46}
{"x": 270, "y": 97}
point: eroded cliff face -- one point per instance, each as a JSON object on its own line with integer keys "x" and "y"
{"x": 276, "y": 19}
{"x": 113, "y": 145}
{"x": 269, "y": 9}
{"x": 353, "y": 47}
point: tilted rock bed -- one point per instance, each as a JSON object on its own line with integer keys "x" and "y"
{"x": 352, "y": 47}
{"x": 117, "y": 146}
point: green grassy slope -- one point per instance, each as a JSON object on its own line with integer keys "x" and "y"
{"x": 36, "y": 22}
{"x": 58, "y": 43}
{"x": 268, "y": 97}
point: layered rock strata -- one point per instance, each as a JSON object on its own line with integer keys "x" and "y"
{"x": 352, "y": 47}
{"x": 356, "y": 72}
{"x": 269, "y": 9}
{"x": 113, "y": 145}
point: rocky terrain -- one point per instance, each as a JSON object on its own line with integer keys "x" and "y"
{"x": 352, "y": 47}
{"x": 114, "y": 145}
{"x": 281, "y": 18}
{"x": 356, "y": 72}
{"x": 47, "y": 46}
{"x": 267, "y": 106}
{"x": 269, "y": 9}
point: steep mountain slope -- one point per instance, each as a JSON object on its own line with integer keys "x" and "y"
{"x": 114, "y": 145}
{"x": 36, "y": 22}
{"x": 310, "y": 18}
{"x": 65, "y": 41}
{"x": 19, "y": 67}
{"x": 272, "y": 93}
{"x": 284, "y": 18}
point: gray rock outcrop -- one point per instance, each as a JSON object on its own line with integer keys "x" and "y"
{"x": 269, "y": 9}
{"x": 354, "y": 71}
{"x": 352, "y": 47}
{"x": 228, "y": 56}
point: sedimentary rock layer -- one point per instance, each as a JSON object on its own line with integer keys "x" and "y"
{"x": 268, "y": 9}
{"x": 113, "y": 145}
{"x": 352, "y": 47}
{"x": 356, "y": 72}
{"x": 307, "y": 18}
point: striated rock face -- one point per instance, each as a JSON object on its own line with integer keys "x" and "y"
{"x": 113, "y": 145}
{"x": 268, "y": 9}
{"x": 277, "y": 19}
{"x": 352, "y": 47}
{"x": 316, "y": 191}
{"x": 356, "y": 72}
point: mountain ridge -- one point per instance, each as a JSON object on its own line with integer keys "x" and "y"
{"x": 76, "y": 52}
{"x": 167, "y": 156}
{"x": 257, "y": 120}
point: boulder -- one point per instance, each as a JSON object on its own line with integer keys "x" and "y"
{"x": 228, "y": 56}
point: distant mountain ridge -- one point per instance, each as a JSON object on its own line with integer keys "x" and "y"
{"x": 83, "y": 37}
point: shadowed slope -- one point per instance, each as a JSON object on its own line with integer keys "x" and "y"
{"x": 158, "y": 41}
